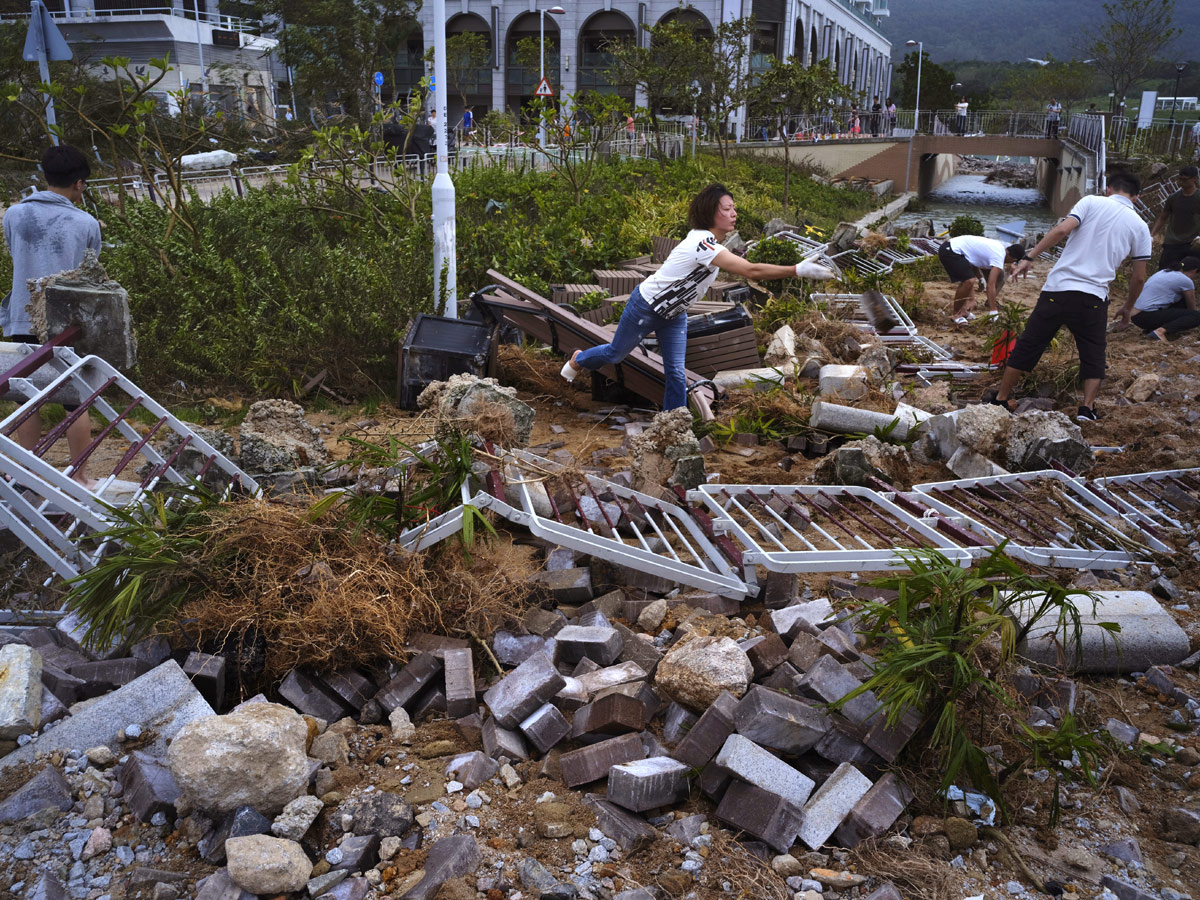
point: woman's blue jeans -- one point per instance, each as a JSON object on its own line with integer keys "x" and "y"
{"x": 637, "y": 321}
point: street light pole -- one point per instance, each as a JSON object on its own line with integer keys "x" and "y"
{"x": 554, "y": 11}
{"x": 916, "y": 112}
{"x": 445, "y": 225}
{"x": 1179, "y": 67}
{"x": 695, "y": 112}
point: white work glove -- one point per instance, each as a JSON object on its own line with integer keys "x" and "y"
{"x": 811, "y": 269}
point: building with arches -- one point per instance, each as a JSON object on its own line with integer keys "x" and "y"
{"x": 845, "y": 32}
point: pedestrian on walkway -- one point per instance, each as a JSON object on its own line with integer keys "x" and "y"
{"x": 1179, "y": 219}
{"x": 1101, "y": 233}
{"x": 46, "y": 234}
{"x": 876, "y": 117}
{"x": 891, "y": 117}
{"x": 1053, "y": 117}
{"x": 960, "y": 109}
{"x": 1167, "y": 304}
{"x": 660, "y": 303}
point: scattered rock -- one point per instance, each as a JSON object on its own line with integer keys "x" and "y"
{"x": 267, "y": 865}
{"x": 695, "y": 672}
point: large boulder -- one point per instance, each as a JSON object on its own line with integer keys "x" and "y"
{"x": 267, "y": 865}
{"x": 696, "y": 672}
{"x": 275, "y": 438}
{"x": 857, "y": 461}
{"x": 254, "y": 756}
{"x": 481, "y": 405}
{"x": 983, "y": 429}
{"x": 1037, "y": 439}
{"x": 666, "y": 453}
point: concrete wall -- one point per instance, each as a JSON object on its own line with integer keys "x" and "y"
{"x": 1065, "y": 180}
{"x": 879, "y": 160}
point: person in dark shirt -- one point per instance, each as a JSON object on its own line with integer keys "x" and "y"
{"x": 1179, "y": 221}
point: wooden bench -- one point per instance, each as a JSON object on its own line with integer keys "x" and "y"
{"x": 662, "y": 247}
{"x": 724, "y": 351}
{"x": 617, "y": 282}
{"x": 569, "y": 293}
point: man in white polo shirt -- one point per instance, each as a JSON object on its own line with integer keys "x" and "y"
{"x": 968, "y": 257}
{"x": 1101, "y": 233}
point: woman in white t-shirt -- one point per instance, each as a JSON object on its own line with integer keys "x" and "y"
{"x": 961, "y": 108}
{"x": 1167, "y": 303}
{"x": 660, "y": 303}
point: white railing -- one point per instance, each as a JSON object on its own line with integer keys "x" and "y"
{"x": 217, "y": 20}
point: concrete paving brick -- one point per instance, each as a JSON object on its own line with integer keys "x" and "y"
{"x": 831, "y": 803}
{"x": 709, "y": 733}
{"x": 207, "y": 672}
{"x": 460, "y": 682}
{"x": 610, "y": 605}
{"x": 714, "y": 781}
{"x": 766, "y": 653}
{"x": 45, "y": 790}
{"x": 450, "y": 857}
{"x": 430, "y": 702}
{"x": 65, "y": 686}
{"x": 677, "y": 723}
{"x": 750, "y": 763}
{"x": 523, "y": 690}
{"x": 888, "y": 741}
{"x": 582, "y": 667}
{"x": 759, "y": 812}
{"x": 828, "y": 681}
{"x": 102, "y": 676}
{"x": 498, "y": 741}
{"x": 843, "y": 742}
{"x": 149, "y": 787}
{"x": 645, "y": 784}
{"x": 601, "y": 644}
{"x": 241, "y": 822}
{"x": 779, "y": 589}
{"x": 163, "y": 700}
{"x": 351, "y": 687}
{"x": 798, "y": 618}
{"x": 622, "y": 673}
{"x": 640, "y": 691}
{"x": 572, "y": 696}
{"x": 876, "y": 812}
{"x": 544, "y": 622}
{"x": 513, "y": 649}
{"x": 613, "y": 714}
{"x": 423, "y": 670}
{"x": 886, "y": 891}
{"x": 545, "y": 727}
{"x": 709, "y": 602}
{"x": 778, "y": 721}
{"x": 219, "y": 886}
{"x": 784, "y": 678}
{"x": 359, "y": 852}
{"x": 568, "y": 586}
{"x": 472, "y": 769}
{"x": 629, "y": 831}
{"x": 638, "y": 650}
{"x": 588, "y": 764}
{"x": 805, "y": 650}
{"x": 839, "y": 644}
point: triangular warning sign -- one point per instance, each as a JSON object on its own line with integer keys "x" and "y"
{"x": 544, "y": 89}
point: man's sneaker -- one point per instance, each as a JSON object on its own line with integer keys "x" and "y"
{"x": 1086, "y": 414}
{"x": 960, "y": 320}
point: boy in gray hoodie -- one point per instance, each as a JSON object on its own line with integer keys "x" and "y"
{"x": 47, "y": 234}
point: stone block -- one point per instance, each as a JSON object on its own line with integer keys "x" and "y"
{"x": 843, "y": 382}
{"x": 545, "y": 727}
{"x": 709, "y": 733}
{"x": 513, "y": 649}
{"x": 709, "y": 602}
{"x": 88, "y": 298}
{"x": 104, "y": 675}
{"x": 766, "y": 653}
{"x": 499, "y": 741}
{"x": 613, "y": 714}
{"x": 45, "y": 790}
{"x": 450, "y": 857}
{"x": 20, "y": 691}
{"x": 460, "y": 682}
{"x": 788, "y": 621}
{"x": 207, "y": 672}
{"x": 876, "y": 812}
{"x": 677, "y": 723}
{"x": 219, "y": 886}
{"x": 1149, "y": 634}
{"x": 610, "y": 676}
{"x": 351, "y": 687}
{"x": 309, "y": 695}
{"x": 629, "y": 831}
{"x": 588, "y": 764}
{"x": 472, "y": 769}
{"x": 359, "y": 852}
{"x": 523, "y": 690}
{"x": 638, "y": 650}
{"x": 1124, "y": 890}
{"x": 421, "y": 672}
{"x": 163, "y": 699}
{"x": 759, "y": 812}
{"x": 887, "y": 741}
{"x": 598, "y": 643}
{"x": 831, "y": 803}
{"x": 805, "y": 651}
{"x": 437, "y": 644}
{"x": 778, "y": 721}
{"x": 566, "y": 586}
{"x": 750, "y": 763}
{"x": 843, "y": 742}
{"x": 149, "y": 786}
{"x": 829, "y": 682}
{"x": 645, "y": 784}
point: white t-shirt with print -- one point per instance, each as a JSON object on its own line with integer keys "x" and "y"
{"x": 1109, "y": 232}
{"x": 685, "y": 276}
{"x": 981, "y": 252}
{"x": 1164, "y": 288}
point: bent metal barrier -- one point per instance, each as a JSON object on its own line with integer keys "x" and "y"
{"x": 51, "y": 513}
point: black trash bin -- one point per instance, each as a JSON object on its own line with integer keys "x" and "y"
{"x": 715, "y": 323}
{"x": 437, "y": 347}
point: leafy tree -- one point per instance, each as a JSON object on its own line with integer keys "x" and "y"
{"x": 788, "y": 88}
{"x": 936, "y": 83}
{"x": 1071, "y": 82}
{"x": 725, "y": 77}
{"x": 1126, "y": 43}
{"x": 573, "y": 146}
{"x": 466, "y": 53}
{"x": 334, "y": 47}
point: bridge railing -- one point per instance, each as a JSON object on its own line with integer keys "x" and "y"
{"x": 1162, "y": 137}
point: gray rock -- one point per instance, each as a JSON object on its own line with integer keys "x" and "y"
{"x": 695, "y": 672}
{"x": 450, "y": 857}
{"x": 20, "y": 691}
{"x": 468, "y": 397}
{"x": 297, "y": 817}
{"x": 254, "y": 756}
{"x": 378, "y": 812}
{"x": 45, "y": 790}
{"x": 267, "y": 865}
{"x": 1179, "y": 825}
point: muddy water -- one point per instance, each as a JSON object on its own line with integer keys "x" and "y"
{"x": 992, "y": 204}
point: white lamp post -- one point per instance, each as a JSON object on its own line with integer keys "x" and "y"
{"x": 916, "y": 109}
{"x": 554, "y": 11}
{"x": 695, "y": 110}
{"x": 445, "y": 223}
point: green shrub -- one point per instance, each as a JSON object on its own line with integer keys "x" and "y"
{"x": 966, "y": 225}
{"x": 776, "y": 251}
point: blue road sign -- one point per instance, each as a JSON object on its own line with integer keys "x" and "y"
{"x": 379, "y": 79}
